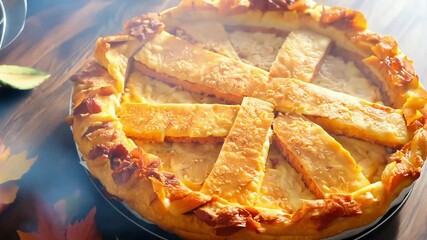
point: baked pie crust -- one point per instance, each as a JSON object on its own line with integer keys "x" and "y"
{"x": 211, "y": 139}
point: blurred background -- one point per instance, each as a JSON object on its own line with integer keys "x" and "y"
{"x": 35, "y": 6}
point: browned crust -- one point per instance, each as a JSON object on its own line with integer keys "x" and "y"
{"x": 397, "y": 69}
{"x": 235, "y": 6}
{"x": 143, "y": 27}
{"x": 344, "y": 19}
{"x": 279, "y": 5}
{"x": 406, "y": 164}
{"x": 328, "y": 210}
{"x": 227, "y": 220}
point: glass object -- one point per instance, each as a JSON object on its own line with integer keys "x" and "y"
{"x": 12, "y": 20}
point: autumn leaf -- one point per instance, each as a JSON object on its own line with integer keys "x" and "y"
{"x": 22, "y": 78}
{"x": 51, "y": 225}
{"x": 85, "y": 229}
{"x": 48, "y": 226}
{"x": 12, "y": 168}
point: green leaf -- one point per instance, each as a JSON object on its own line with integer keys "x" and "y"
{"x": 23, "y": 78}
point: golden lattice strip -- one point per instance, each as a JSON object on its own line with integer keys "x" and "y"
{"x": 325, "y": 165}
{"x": 202, "y": 71}
{"x": 239, "y": 170}
{"x": 300, "y": 55}
{"x": 209, "y": 35}
{"x": 340, "y": 113}
{"x": 199, "y": 70}
{"x": 190, "y": 121}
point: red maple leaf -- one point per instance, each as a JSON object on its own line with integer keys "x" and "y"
{"x": 50, "y": 227}
{"x": 85, "y": 229}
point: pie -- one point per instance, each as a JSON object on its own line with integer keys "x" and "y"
{"x": 250, "y": 119}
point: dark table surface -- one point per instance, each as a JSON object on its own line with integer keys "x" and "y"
{"x": 59, "y": 37}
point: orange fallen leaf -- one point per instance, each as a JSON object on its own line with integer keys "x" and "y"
{"x": 85, "y": 229}
{"x": 12, "y": 168}
{"x": 48, "y": 225}
{"x": 51, "y": 226}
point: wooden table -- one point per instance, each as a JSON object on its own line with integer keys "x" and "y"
{"x": 61, "y": 38}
